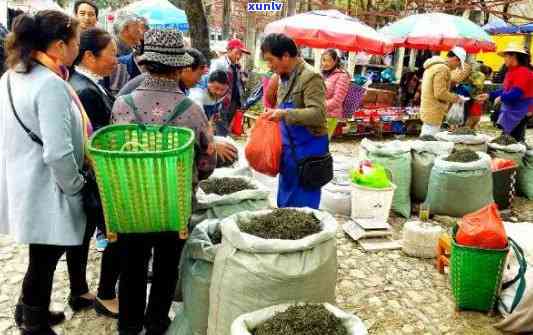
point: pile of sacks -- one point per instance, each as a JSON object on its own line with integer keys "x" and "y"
{"x": 242, "y": 273}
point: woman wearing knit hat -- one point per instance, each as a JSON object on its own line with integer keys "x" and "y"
{"x": 155, "y": 101}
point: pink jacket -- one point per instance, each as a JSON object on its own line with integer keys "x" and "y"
{"x": 337, "y": 85}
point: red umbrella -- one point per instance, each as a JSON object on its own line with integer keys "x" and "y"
{"x": 324, "y": 29}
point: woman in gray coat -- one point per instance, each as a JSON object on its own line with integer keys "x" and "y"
{"x": 40, "y": 182}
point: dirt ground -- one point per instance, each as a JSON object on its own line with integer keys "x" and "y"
{"x": 390, "y": 292}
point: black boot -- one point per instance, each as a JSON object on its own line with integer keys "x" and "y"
{"x": 35, "y": 321}
{"x": 54, "y": 318}
{"x": 79, "y": 304}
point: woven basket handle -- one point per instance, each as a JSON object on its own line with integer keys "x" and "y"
{"x": 132, "y": 144}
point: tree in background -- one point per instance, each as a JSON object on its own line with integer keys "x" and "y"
{"x": 198, "y": 27}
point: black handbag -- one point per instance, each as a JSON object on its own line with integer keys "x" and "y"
{"x": 90, "y": 195}
{"x": 314, "y": 171}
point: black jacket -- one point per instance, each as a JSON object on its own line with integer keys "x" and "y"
{"x": 97, "y": 104}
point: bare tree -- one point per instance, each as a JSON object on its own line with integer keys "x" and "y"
{"x": 291, "y": 7}
{"x": 226, "y": 19}
{"x": 198, "y": 27}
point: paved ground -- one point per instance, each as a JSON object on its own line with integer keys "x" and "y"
{"x": 392, "y": 293}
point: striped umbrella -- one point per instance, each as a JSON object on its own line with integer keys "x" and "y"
{"x": 438, "y": 32}
{"x": 324, "y": 29}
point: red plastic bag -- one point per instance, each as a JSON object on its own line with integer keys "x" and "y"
{"x": 498, "y": 164}
{"x": 237, "y": 123}
{"x": 483, "y": 229}
{"x": 263, "y": 150}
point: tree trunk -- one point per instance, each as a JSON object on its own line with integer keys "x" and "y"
{"x": 291, "y": 7}
{"x": 505, "y": 12}
{"x": 227, "y": 19}
{"x": 179, "y": 3}
{"x": 250, "y": 40}
{"x": 198, "y": 28}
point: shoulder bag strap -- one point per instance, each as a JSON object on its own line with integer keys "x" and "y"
{"x": 128, "y": 99}
{"x": 30, "y": 133}
{"x": 180, "y": 108}
{"x": 520, "y": 276}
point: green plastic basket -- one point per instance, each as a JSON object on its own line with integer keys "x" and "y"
{"x": 476, "y": 276}
{"x": 144, "y": 174}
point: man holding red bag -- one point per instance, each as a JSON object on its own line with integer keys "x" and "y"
{"x": 306, "y": 164}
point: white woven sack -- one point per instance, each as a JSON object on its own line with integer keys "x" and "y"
{"x": 482, "y": 163}
{"x": 512, "y": 148}
{"x": 245, "y": 324}
{"x": 206, "y": 201}
{"x": 252, "y": 273}
{"x": 437, "y": 148}
{"x": 271, "y": 183}
{"x": 336, "y": 199}
{"x": 385, "y": 148}
{"x": 462, "y": 139}
{"x": 420, "y": 239}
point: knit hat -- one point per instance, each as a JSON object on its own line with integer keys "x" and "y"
{"x": 165, "y": 46}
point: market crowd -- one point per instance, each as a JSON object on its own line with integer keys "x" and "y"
{"x": 66, "y": 78}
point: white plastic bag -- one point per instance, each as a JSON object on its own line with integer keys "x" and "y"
{"x": 246, "y": 323}
{"x": 251, "y": 273}
{"x": 456, "y": 114}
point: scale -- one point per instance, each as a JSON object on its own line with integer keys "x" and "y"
{"x": 371, "y": 234}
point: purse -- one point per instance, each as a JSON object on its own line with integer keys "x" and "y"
{"x": 314, "y": 171}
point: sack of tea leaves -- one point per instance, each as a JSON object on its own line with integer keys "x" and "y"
{"x": 219, "y": 198}
{"x": 458, "y": 188}
{"x": 249, "y": 324}
{"x": 465, "y": 138}
{"x": 196, "y": 266}
{"x": 252, "y": 272}
{"x": 525, "y": 176}
{"x": 506, "y": 147}
{"x": 424, "y": 154}
{"x": 395, "y": 156}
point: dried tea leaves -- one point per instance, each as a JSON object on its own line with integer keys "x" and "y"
{"x": 463, "y": 156}
{"x": 463, "y": 131}
{"x": 428, "y": 138}
{"x": 504, "y": 140}
{"x": 224, "y": 186}
{"x": 303, "y": 320}
{"x": 216, "y": 237}
{"x": 283, "y": 224}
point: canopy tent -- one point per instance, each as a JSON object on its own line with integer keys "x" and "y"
{"x": 438, "y": 32}
{"x": 33, "y": 6}
{"x": 499, "y": 26}
{"x": 331, "y": 29}
{"x": 160, "y": 14}
{"x": 526, "y": 28}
